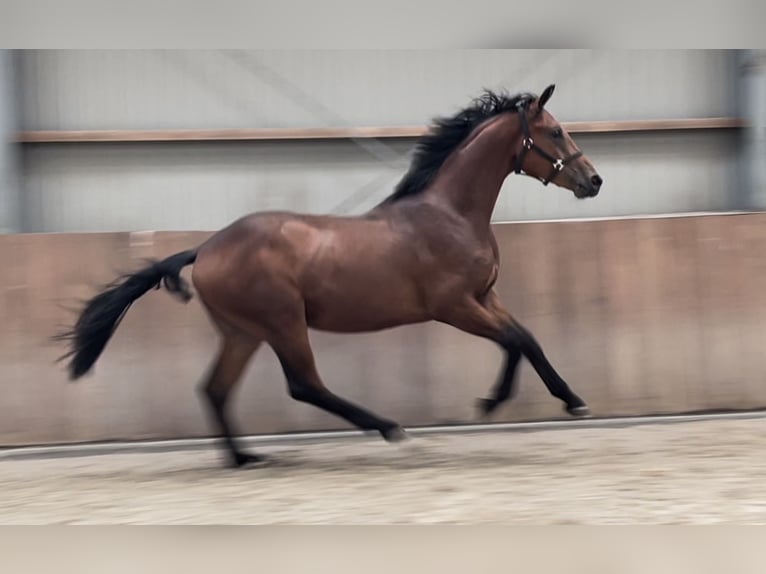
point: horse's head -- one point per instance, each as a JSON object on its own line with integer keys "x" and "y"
{"x": 548, "y": 153}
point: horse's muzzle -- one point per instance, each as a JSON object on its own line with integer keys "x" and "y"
{"x": 589, "y": 187}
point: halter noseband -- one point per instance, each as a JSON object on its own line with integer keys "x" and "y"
{"x": 527, "y": 144}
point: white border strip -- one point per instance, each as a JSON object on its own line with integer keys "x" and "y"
{"x": 90, "y": 449}
{"x": 678, "y": 215}
{"x": 671, "y": 215}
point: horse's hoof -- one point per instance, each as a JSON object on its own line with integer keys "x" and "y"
{"x": 396, "y": 434}
{"x": 581, "y": 411}
{"x": 242, "y": 460}
{"x": 486, "y": 406}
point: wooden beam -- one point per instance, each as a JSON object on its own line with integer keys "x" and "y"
{"x": 380, "y": 132}
{"x": 654, "y": 125}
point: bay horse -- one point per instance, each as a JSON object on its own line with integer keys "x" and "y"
{"x": 425, "y": 253}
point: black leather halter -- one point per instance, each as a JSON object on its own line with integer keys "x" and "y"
{"x": 527, "y": 144}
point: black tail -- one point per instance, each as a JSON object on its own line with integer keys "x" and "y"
{"x": 102, "y": 314}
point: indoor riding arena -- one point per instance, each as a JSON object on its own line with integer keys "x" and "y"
{"x": 645, "y": 292}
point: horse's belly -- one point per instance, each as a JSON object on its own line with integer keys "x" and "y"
{"x": 357, "y": 311}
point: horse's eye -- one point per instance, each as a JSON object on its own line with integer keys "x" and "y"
{"x": 557, "y": 133}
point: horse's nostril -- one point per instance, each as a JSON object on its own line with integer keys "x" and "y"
{"x": 596, "y": 181}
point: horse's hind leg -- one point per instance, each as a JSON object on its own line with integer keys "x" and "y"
{"x": 232, "y": 358}
{"x": 293, "y": 349}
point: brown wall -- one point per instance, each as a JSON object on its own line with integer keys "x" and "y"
{"x": 640, "y": 316}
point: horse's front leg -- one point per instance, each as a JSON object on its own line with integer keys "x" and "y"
{"x": 490, "y": 320}
{"x": 506, "y": 385}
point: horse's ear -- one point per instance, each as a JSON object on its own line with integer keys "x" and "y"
{"x": 546, "y": 95}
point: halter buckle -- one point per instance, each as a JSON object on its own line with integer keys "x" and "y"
{"x": 528, "y": 143}
{"x": 558, "y": 165}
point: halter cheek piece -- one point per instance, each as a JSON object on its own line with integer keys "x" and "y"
{"x": 528, "y": 144}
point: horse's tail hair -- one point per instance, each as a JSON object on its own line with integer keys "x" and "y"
{"x": 102, "y": 314}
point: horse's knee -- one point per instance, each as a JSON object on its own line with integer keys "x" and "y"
{"x": 301, "y": 391}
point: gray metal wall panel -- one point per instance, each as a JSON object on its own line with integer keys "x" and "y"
{"x": 189, "y": 186}
{"x": 120, "y": 187}
{"x": 753, "y": 73}
{"x": 643, "y": 174}
{"x": 95, "y": 89}
{"x": 204, "y": 186}
{"x": 10, "y": 198}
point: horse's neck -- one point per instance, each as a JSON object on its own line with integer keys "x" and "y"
{"x": 472, "y": 176}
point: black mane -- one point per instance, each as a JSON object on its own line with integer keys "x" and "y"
{"x": 445, "y": 135}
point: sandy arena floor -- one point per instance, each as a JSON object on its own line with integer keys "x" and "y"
{"x": 695, "y": 472}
